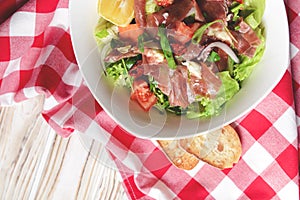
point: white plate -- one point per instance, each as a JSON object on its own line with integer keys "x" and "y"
{"x": 83, "y": 19}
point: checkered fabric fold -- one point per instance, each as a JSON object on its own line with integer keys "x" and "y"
{"x": 36, "y": 58}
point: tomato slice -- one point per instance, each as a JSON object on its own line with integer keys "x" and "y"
{"x": 142, "y": 94}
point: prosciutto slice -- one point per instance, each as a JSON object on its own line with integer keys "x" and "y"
{"x": 161, "y": 74}
{"x": 122, "y": 52}
{"x": 173, "y": 83}
{"x": 168, "y": 15}
{"x": 247, "y": 40}
{"x": 214, "y": 9}
{"x": 208, "y": 85}
{"x": 140, "y": 12}
{"x": 180, "y": 85}
{"x": 198, "y": 13}
{"x": 192, "y": 51}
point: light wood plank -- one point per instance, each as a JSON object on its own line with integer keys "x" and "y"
{"x": 36, "y": 163}
{"x": 107, "y": 184}
{"x": 22, "y": 145}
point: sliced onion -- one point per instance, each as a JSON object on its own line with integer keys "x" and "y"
{"x": 206, "y": 51}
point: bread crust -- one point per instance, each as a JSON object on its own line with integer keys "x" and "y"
{"x": 178, "y": 156}
{"x": 221, "y": 148}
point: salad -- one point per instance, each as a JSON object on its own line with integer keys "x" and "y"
{"x": 188, "y": 57}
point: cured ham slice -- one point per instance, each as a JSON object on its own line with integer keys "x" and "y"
{"x": 214, "y": 9}
{"x": 140, "y": 12}
{"x": 168, "y": 15}
{"x": 247, "y": 40}
{"x": 182, "y": 86}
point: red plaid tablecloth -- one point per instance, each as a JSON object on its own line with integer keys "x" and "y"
{"x": 36, "y": 57}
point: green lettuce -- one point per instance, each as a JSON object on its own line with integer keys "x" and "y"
{"x": 151, "y": 7}
{"x": 255, "y": 11}
{"x": 105, "y": 31}
{"x": 118, "y": 71}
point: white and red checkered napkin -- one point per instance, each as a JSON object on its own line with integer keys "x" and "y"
{"x": 36, "y": 57}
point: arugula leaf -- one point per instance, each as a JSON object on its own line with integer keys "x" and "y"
{"x": 235, "y": 9}
{"x": 162, "y": 100}
{"x": 166, "y": 48}
{"x": 118, "y": 71}
{"x": 177, "y": 110}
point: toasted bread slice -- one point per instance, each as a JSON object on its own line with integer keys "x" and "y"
{"x": 178, "y": 156}
{"x": 221, "y": 148}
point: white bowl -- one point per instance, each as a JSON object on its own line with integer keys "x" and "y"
{"x": 266, "y": 75}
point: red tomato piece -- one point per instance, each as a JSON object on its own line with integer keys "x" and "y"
{"x": 142, "y": 94}
{"x": 164, "y": 3}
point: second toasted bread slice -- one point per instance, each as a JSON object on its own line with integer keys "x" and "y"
{"x": 221, "y": 148}
{"x": 179, "y": 157}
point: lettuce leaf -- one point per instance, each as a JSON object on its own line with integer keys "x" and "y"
{"x": 151, "y": 7}
{"x": 105, "y": 31}
{"x": 256, "y": 9}
{"x": 118, "y": 71}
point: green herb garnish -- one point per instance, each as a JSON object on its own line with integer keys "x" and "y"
{"x": 214, "y": 57}
{"x": 166, "y": 48}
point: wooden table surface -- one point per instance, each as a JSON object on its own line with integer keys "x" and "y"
{"x": 36, "y": 163}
